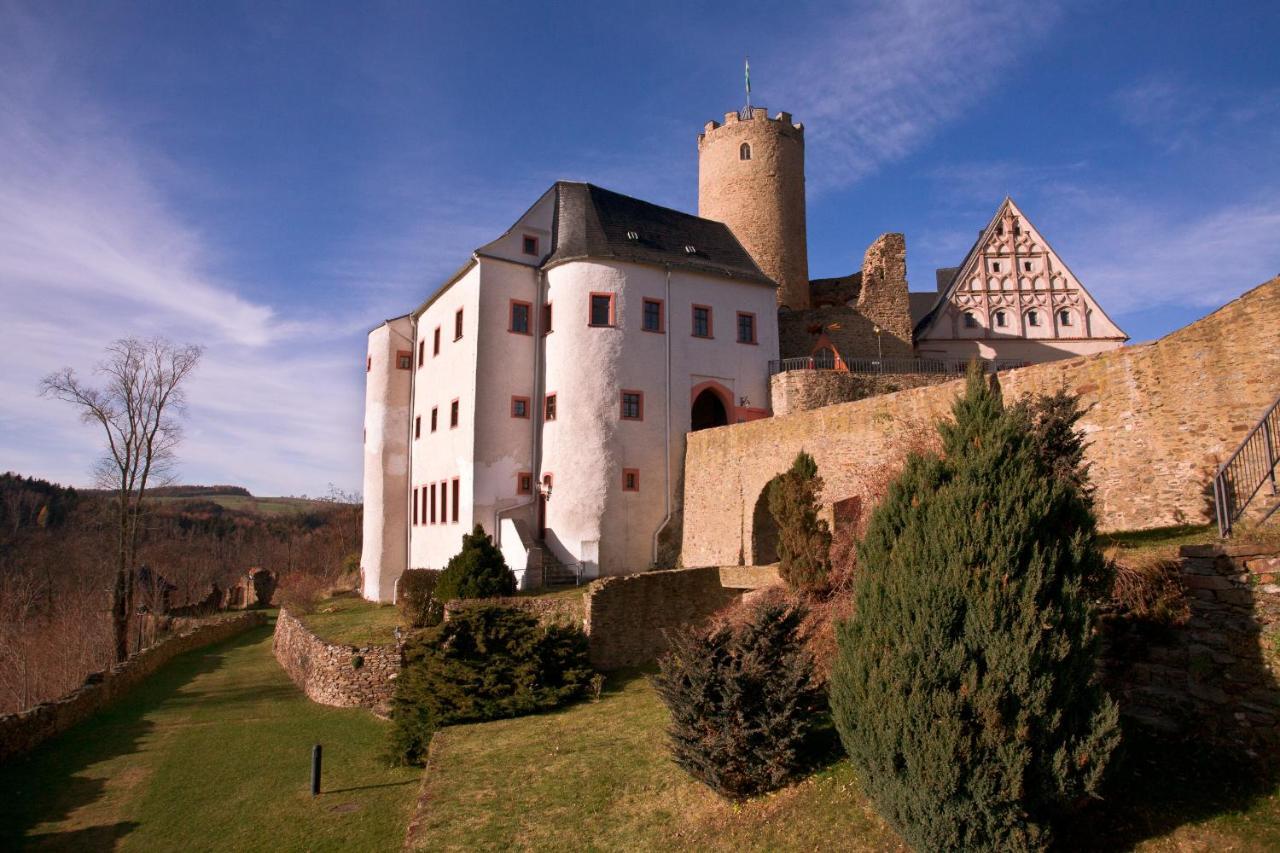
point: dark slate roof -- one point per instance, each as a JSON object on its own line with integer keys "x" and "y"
{"x": 593, "y": 223}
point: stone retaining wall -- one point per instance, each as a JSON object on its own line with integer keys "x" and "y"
{"x": 801, "y": 390}
{"x": 559, "y": 610}
{"x": 23, "y": 731}
{"x": 1217, "y": 677}
{"x": 344, "y": 676}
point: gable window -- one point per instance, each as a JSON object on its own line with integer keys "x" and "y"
{"x": 519, "y": 322}
{"x": 529, "y": 245}
{"x": 633, "y": 405}
{"x": 453, "y": 414}
{"x": 519, "y": 407}
{"x": 1002, "y": 319}
{"x": 744, "y": 151}
{"x": 457, "y": 487}
{"x": 546, "y": 318}
{"x": 524, "y": 483}
{"x": 422, "y": 352}
{"x": 746, "y": 327}
{"x": 630, "y": 479}
{"x": 549, "y": 408}
{"x": 970, "y": 321}
{"x": 1026, "y": 265}
{"x": 1033, "y": 317}
{"x": 435, "y": 410}
{"x": 1064, "y": 317}
{"x": 701, "y": 321}
{"x": 433, "y": 502}
{"x": 404, "y": 360}
{"x": 435, "y": 345}
{"x": 417, "y": 427}
{"x": 652, "y": 320}
{"x": 995, "y": 266}
{"x": 601, "y": 310}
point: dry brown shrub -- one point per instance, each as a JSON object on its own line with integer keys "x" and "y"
{"x": 1147, "y": 585}
{"x": 301, "y": 592}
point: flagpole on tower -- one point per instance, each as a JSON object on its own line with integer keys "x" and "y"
{"x": 747, "y": 74}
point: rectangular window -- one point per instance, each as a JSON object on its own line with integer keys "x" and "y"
{"x": 630, "y": 479}
{"x": 435, "y": 344}
{"x": 457, "y": 325}
{"x": 404, "y": 359}
{"x": 433, "y": 503}
{"x": 519, "y": 317}
{"x": 652, "y": 315}
{"x": 632, "y": 405}
{"x": 457, "y": 487}
{"x": 435, "y": 411}
{"x": 746, "y": 327}
{"x": 519, "y": 407}
{"x": 424, "y": 504}
{"x": 453, "y": 414}
{"x": 417, "y": 427}
{"x": 1026, "y": 265}
{"x": 444, "y": 502}
{"x": 524, "y": 483}
{"x": 601, "y": 309}
{"x": 546, "y": 318}
{"x": 368, "y": 364}
{"x": 701, "y": 321}
{"x": 415, "y": 506}
{"x": 549, "y": 410}
{"x": 529, "y": 245}
{"x": 422, "y": 352}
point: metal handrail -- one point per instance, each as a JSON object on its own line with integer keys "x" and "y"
{"x": 1253, "y": 464}
{"x": 943, "y": 366}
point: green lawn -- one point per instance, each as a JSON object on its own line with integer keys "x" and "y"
{"x": 213, "y": 753}
{"x": 596, "y": 776}
{"x": 349, "y": 619}
{"x": 1160, "y": 537}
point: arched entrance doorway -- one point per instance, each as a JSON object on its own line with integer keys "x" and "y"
{"x": 708, "y": 411}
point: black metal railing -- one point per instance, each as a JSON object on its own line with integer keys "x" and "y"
{"x": 942, "y": 366}
{"x": 1248, "y": 471}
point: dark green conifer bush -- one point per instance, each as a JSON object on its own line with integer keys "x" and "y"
{"x": 477, "y": 571}
{"x": 964, "y": 686}
{"x": 747, "y": 712}
{"x": 487, "y": 662}
{"x": 804, "y": 540}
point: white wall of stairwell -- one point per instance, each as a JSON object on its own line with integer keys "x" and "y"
{"x": 515, "y": 553}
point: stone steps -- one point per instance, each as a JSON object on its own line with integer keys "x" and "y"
{"x": 554, "y": 572}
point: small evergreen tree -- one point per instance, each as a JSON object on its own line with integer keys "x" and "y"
{"x": 477, "y": 571}
{"x": 804, "y": 540}
{"x": 487, "y": 662}
{"x": 964, "y": 687}
{"x": 746, "y": 709}
{"x": 416, "y": 598}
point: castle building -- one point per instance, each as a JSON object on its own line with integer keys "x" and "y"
{"x": 545, "y": 390}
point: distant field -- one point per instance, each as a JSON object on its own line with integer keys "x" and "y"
{"x": 241, "y": 503}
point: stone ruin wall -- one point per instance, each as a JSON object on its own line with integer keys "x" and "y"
{"x": 802, "y": 390}
{"x": 25, "y": 730}
{"x": 1161, "y": 417}
{"x": 327, "y": 672}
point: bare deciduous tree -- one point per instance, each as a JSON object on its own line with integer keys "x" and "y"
{"x": 137, "y": 408}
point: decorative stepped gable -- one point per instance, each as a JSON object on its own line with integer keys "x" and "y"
{"x": 1014, "y": 298}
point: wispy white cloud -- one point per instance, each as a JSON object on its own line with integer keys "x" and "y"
{"x": 881, "y": 79}
{"x": 1180, "y": 116}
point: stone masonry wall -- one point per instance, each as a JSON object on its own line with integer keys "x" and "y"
{"x": 25, "y": 730}
{"x": 1216, "y": 677}
{"x": 627, "y": 617}
{"x": 1160, "y": 418}
{"x": 802, "y": 390}
{"x": 884, "y": 298}
{"x": 548, "y": 610}
{"x": 327, "y": 672}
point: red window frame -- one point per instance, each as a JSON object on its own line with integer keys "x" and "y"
{"x": 435, "y": 412}
{"x": 738, "y": 327}
{"x": 444, "y": 501}
{"x": 435, "y": 344}
{"x": 693, "y": 322}
{"x": 422, "y": 352}
{"x": 457, "y": 325}
{"x": 549, "y": 407}
{"x": 404, "y": 359}
{"x": 524, "y": 400}
{"x": 433, "y": 503}
{"x": 524, "y": 483}
{"x": 453, "y": 413}
{"x": 622, "y": 405}
{"x": 524, "y": 244}
{"x": 417, "y": 426}
{"x": 457, "y": 489}
{"x": 662, "y": 315}
{"x": 613, "y": 309}
{"x": 632, "y": 472}
{"x": 424, "y": 504}
{"x": 546, "y": 319}
{"x": 528, "y": 317}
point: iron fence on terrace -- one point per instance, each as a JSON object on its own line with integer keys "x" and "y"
{"x": 830, "y": 361}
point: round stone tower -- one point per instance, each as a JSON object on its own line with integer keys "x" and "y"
{"x": 751, "y": 177}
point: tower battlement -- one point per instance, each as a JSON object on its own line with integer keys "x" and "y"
{"x": 782, "y": 121}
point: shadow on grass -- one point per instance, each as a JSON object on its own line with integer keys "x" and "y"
{"x": 46, "y": 785}
{"x": 1180, "y": 534}
{"x": 372, "y": 787}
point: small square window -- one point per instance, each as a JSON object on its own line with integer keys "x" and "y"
{"x": 995, "y": 266}
{"x": 435, "y": 410}
{"x": 519, "y": 407}
{"x": 453, "y": 414}
{"x": 1064, "y": 317}
{"x": 1026, "y": 265}
{"x": 1033, "y": 318}
{"x": 746, "y": 328}
{"x": 1001, "y": 319}
{"x": 601, "y": 309}
{"x": 435, "y": 346}
{"x": 524, "y": 483}
{"x": 549, "y": 408}
{"x": 404, "y": 359}
{"x": 701, "y": 321}
{"x": 632, "y": 405}
{"x": 529, "y": 245}
{"x": 630, "y": 479}
{"x": 970, "y": 321}
{"x": 652, "y": 321}
{"x": 519, "y": 317}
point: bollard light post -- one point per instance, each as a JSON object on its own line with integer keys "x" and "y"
{"x": 315, "y": 770}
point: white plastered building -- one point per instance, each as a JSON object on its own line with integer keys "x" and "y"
{"x": 545, "y": 390}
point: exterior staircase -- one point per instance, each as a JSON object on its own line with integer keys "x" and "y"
{"x": 556, "y": 573}
{"x": 1247, "y": 485}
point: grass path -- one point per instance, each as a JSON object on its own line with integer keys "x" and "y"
{"x": 213, "y": 753}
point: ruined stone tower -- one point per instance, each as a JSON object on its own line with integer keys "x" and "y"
{"x": 751, "y": 177}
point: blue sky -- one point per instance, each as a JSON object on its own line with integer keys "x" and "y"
{"x": 273, "y": 179}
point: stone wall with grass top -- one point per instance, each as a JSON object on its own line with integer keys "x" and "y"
{"x": 25, "y": 730}
{"x": 344, "y": 676}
